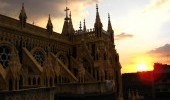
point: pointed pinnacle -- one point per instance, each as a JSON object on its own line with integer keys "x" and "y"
{"x": 70, "y": 14}
{"x": 80, "y": 25}
{"x": 84, "y": 22}
{"x": 97, "y": 7}
{"x": 22, "y": 5}
{"x": 109, "y": 16}
{"x": 49, "y": 17}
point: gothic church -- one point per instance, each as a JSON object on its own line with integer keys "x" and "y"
{"x": 40, "y": 64}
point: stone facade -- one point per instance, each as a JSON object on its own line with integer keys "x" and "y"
{"x": 34, "y": 58}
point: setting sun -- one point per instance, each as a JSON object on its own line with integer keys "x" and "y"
{"x": 142, "y": 67}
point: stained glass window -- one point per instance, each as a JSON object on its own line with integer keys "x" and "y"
{"x": 4, "y": 56}
{"x": 39, "y": 57}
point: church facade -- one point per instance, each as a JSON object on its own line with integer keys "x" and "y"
{"x": 40, "y": 64}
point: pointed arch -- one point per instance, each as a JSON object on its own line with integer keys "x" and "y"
{"x": 63, "y": 57}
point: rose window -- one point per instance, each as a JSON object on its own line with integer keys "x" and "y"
{"x": 4, "y": 56}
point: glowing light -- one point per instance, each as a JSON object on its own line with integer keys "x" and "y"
{"x": 142, "y": 67}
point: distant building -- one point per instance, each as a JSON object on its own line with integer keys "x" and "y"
{"x": 161, "y": 84}
{"x": 151, "y": 85}
{"x": 137, "y": 84}
{"x": 40, "y": 64}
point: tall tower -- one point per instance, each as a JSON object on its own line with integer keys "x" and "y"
{"x": 98, "y": 25}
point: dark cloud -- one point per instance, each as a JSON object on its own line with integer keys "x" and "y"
{"x": 163, "y": 51}
{"x": 123, "y": 36}
{"x": 37, "y": 9}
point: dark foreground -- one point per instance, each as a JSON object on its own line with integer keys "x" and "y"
{"x": 86, "y": 97}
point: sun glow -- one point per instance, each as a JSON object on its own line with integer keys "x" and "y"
{"x": 142, "y": 67}
{"x": 144, "y": 63}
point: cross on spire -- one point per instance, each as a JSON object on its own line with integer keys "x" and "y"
{"x": 66, "y": 10}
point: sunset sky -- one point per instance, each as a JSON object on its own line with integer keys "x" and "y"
{"x": 142, "y": 27}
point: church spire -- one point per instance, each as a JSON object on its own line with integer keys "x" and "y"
{"x": 71, "y": 24}
{"x": 22, "y": 16}
{"x": 98, "y": 25}
{"x": 110, "y": 30}
{"x": 97, "y": 15}
{"x": 84, "y": 28}
{"x": 49, "y": 25}
{"x": 66, "y": 22}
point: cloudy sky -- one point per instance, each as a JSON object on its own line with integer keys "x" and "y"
{"x": 142, "y": 27}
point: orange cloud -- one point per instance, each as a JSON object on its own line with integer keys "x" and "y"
{"x": 123, "y": 36}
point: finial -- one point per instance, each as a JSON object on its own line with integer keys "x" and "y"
{"x": 70, "y": 14}
{"x": 49, "y": 25}
{"x": 49, "y": 17}
{"x": 97, "y": 7}
{"x": 80, "y": 26}
{"x": 23, "y": 16}
{"x": 84, "y": 22}
{"x": 84, "y": 29}
{"x": 109, "y": 16}
{"x": 22, "y": 4}
{"x": 49, "y": 21}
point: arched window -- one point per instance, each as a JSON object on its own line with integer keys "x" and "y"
{"x": 4, "y": 56}
{"x": 39, "y": 56}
